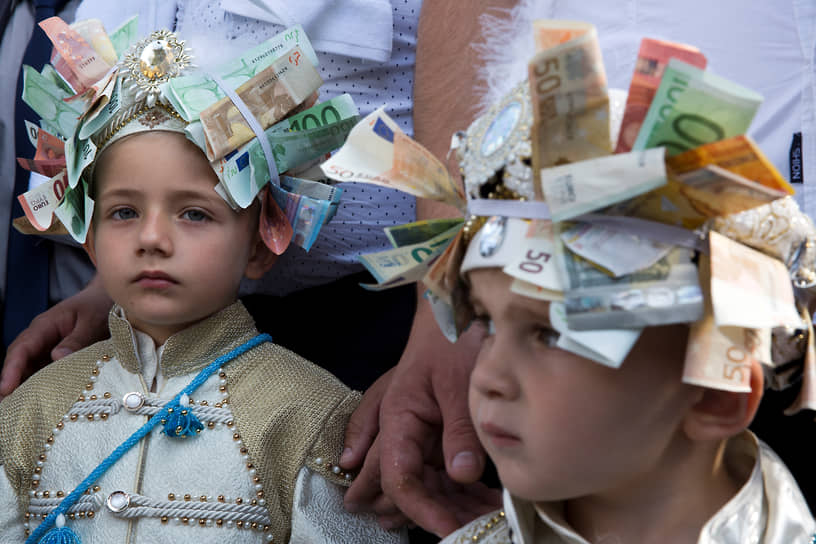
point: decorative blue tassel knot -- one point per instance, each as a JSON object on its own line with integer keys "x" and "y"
{"x": 181, "y": 422}
{"x": 60, "y": 534}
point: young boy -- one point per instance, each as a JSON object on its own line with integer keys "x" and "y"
{"x": 245, "y": 435}
{"x": 592, "y": 454}
{"x": 612, "y": 435}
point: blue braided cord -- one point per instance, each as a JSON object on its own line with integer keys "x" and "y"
{"x": 134, "y": 439}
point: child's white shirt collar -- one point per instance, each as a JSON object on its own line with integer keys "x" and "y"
{"x": 768, "y": 509}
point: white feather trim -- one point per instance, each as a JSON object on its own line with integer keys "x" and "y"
{"x": 506, "y": 48}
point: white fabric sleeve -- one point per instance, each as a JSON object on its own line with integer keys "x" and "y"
{"x": 11, "y": 519}
{"x": 318, "y": 516}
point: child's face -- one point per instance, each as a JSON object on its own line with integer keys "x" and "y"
{"x": 559, "y": 426}
{"x": 167, "y": 247}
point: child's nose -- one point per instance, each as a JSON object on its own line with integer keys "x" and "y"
{"x": 493, "y": 375}
{"x": 155, "y": 235}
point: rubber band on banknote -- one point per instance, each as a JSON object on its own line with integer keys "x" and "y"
{"x": 524, "y": 209}
{"x": 253, "y": 123}
{"x": 527, "y": 209}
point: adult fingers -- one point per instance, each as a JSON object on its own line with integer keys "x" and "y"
{"x": 464, "y": 455}
{"x": 29, "y": 350}
{"x": 402, "y": 467}
{"x": 79, "y": 331}
{"x": 366, "y": 486}
{"x": 364, "y": 424}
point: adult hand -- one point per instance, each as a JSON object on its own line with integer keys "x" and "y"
{"x": 405, "y": 472}
{"x": 73, "y": 324}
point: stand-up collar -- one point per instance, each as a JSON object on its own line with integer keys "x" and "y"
{"x": 189, "y": 350}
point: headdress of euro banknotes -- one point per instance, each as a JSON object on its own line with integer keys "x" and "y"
{"x": 694, "y": 225}
{"x": 253, "y": 117}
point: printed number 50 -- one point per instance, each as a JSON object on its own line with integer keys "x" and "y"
{"x": 531, "y": 265}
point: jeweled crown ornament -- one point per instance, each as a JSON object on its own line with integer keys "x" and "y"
{"x": 153, "y": 61}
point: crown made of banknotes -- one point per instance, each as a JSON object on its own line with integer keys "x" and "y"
{"x": 253, "y": 118}
{"x": 686, "y": 222}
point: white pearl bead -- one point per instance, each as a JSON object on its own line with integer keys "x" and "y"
{"x": 319, "y": 461}
{"x": 176, "y": 521}
{"x": 261, "y": 502}
{"x": 227, "y": 498}
{"x": 258, "y": 487}
{"x": 47, "y": 447}
{"x": 336, "y": 469}
{"x": 252, "y": 472}
{"x": 269, "y": 538}
{"x": 93, "y": 379}
{"x": 230, "y": 524}
{"x": 209, "y": 523}
{"x": 40, "y": 463}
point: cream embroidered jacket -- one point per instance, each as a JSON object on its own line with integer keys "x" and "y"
{"x": 768, "y": 509}
{"x": 263, "y": 468}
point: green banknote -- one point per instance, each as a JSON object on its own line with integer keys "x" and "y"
{"x": 124, "y": 36}
{"x": 419, "y": 231}
{"x": 46, "y": 98}
{"x": 78, "y": 155}
{"x": 51, "y": 74}
{"x": 90, "y": 126}
{"x": 245, "y": 171}
{"x": 192, "y": 94}
{"x": 410, "y": 263}
{"x": 75, "y": 211}
{"x": 693, "y": 107}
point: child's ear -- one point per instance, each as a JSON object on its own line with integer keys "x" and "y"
{"x": 261, "y": 259}
{"x": 719, "y": 414}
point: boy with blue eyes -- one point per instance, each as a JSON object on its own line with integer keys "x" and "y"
{"x": 187, "y": 424}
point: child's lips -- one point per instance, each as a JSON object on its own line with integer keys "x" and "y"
{"x": 155, "y": 279}
{"x": 498, "y": 435}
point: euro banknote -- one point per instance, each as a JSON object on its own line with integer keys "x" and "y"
{"x": 535, "y": 261}
{"x": 748, "y": 288}
{"x": 652, "y": 59}
{"x": 409, "y": 263}
{"x": 691, "y": 198}
{"x": 666, "y": 292}
{"x": 377, "y": 151}
{"x": 569, "y": 96}
{"x": 617, "y": 253}
{"x": 125, "y": 35}
{"x": 269, "y": 96}
{"x": 739, "y": 155}
{"x": 190, "y": 95}
{"x": 45, "y": 98}
{"x": 574, "y": 189}
{"x": 693, "y": 107}
{"x": 608, "y": 347}
{"x": 40, "y": 202}
{"x": 721, "y": 357}
{"x": 86, "y": 64}
{"x": 76, "y": 210}
{"x": 245, "y": 171}
{"x": 419, "y": 231}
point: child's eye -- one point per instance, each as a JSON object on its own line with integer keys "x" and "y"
{"x": 486, "y": 323}
{"x": 547, "y": 336}
{"x": 123, "y": 214}
{"x": 195, "y": 215}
